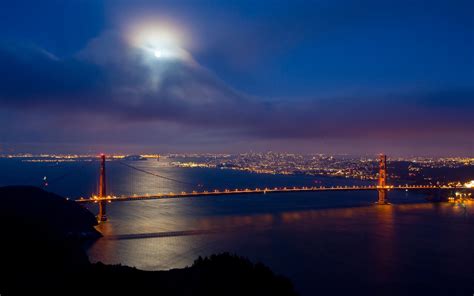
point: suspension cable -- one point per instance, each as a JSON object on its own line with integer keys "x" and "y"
{"x": 158, "y": 176}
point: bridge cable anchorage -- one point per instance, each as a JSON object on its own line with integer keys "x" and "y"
{"x": 158, "y": 176}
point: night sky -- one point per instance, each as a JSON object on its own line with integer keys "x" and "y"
{"x": 333, "y": 76}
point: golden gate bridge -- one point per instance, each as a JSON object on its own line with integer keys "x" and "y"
{"x": 102, "y": 199}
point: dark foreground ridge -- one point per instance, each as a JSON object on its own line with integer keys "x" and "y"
{"x": 41, "y": 254}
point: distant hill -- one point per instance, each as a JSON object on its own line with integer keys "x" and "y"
{"x": 41, "y": 253}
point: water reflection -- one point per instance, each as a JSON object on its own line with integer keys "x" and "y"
{"x": 381, "y": 245}
{"x": 317, "y": 239}
{"x": 383, "y": 248}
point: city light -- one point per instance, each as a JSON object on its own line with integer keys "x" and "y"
{"x": 469, "y": 184}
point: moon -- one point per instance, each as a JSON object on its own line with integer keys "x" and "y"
{"x": 158, "y": 53}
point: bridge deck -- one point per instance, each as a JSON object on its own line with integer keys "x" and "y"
{"x": 95, "y": 199}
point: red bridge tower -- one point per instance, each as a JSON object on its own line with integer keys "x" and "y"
{"x": 102, "y": 215}
{"x": 382, "y": 180}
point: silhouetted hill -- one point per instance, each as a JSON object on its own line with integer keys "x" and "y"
{"x": 40, "y": 235}
{"x": 46, "y": 211}
{"x": 41, "y": 253}
{"x": 222, "y": 274}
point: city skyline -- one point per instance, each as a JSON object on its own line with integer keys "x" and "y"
{"x": 346, "y": 77}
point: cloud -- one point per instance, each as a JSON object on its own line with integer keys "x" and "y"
{"x": 111, "y": 86}
{"x": 34, "y": 78}
{"x": 120, "y": 82}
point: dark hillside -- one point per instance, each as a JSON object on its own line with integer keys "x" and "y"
{"x": 41, "y": 253}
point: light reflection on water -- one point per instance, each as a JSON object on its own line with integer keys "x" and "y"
{"x": 322, "y": 238}
{"x": 379, "y": 244}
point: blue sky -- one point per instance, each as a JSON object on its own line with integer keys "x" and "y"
{"x": 306, "y": 76}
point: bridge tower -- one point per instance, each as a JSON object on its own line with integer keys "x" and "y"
{"x": 382, "y": 180}
{"x": 102, "y": 215}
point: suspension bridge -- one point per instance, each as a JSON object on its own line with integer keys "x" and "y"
{"x": 102, "y": 199}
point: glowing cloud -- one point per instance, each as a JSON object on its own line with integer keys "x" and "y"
{"x": 161, "y": 40}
